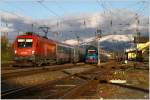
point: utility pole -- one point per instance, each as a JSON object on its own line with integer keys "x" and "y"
{"x": 6, "y": 32}
{"x": 32, "y": 25}
{"x": 78, "y": 43}
{"x": 137, "y": 37}
{"x": 98, "y": 36}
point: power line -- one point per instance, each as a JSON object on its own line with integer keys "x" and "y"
{"x": 12, "y": 13}
{"x": 101, "y": 5}
{"x": 52, "y": 12}
{"x": 63, "y": 20}
{"x": 110, "y": 6}
{"x": 132, "y": 19}
{"x": 59, "y": 6}
{"x": 16, "y": 7}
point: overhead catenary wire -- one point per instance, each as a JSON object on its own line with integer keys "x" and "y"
{"x": 12, "y": 13}
{"x": 63, "y": 20}
{"x": 139, "y": 8}
{"x": 17, "y": 15}
{"x": 130, "y": 20}
{"x": 21, "y": 10}
{"x": 119, "y": 18}
{"x": 101, "y": 5}
{"x": 54, "y": 13}
{"x": 106, "y": 10}
{"x": 16, "y": 7}
{"x": 48, "y": 9}
{"x": 58, "y": 5}
{"x": 82, "y": 19}
{"x": 109, "y": 11}
{"x": 41, "y": 2}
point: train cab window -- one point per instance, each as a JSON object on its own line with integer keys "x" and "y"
{"x": 25, "y": 43}
{"x": 91, "y": 51}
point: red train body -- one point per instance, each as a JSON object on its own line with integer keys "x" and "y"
{"x": 38, "y": 50}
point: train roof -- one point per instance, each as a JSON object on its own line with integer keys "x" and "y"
{"x": 36, "y": 35}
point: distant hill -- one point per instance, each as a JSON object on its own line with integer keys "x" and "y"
{"x": 113, "y": 42}
{"x": 116, "y": 42}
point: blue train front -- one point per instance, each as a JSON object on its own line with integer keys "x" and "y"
{"x": 91, "y": 55}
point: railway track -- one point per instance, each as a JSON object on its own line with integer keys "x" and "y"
{"x": 72, "y": 81}
{"x": 10, "y": 90}
{"x": 6, "y": 63}
{"x": 79, "y": 85}
{"x": 30, "y": 71}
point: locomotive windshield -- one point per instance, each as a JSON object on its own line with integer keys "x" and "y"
{"x": 91, "y": 51}
{"x": 25, "y": 43}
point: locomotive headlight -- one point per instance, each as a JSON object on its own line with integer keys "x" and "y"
{"x": 15, "y": 51}
{"x": 33, "y": 52}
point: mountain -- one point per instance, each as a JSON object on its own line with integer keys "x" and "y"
{"x": 116, "y": 42}
{"x": 113, "y": 42}
{"x": 68, "y": 29}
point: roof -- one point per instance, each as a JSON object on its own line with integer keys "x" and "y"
{"x": 35, "y": 34}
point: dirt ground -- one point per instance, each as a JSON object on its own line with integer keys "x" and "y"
{"x": 136, "y": 86}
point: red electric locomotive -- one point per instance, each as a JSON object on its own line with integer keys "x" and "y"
{"x": 31, "y": 48}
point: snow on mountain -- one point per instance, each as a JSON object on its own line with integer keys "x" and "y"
{"x": 67, "y": 30}
{"x": 116, "y": 42}
{"x": 119, "y": 38}
{"x": 108, "y": 42}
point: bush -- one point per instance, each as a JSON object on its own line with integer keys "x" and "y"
{"x": 6, "y": 49}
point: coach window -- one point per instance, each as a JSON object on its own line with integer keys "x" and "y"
{"x": 60, "y": 49}
{"x": 63, "y": 49}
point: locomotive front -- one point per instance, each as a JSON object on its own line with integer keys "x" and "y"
{"x": 91, "y": 55}
{"x": 24, "y": 48}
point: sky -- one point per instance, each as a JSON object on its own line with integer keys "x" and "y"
{"x": 69, "y": 18}
{"x": 44, "y": 9}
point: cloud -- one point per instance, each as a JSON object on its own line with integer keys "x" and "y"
{"x": 120, "y": 38}
{"x": 71, "y": 42}
{"x": 6, "y": 29}
{"x": 82, "y": 25}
